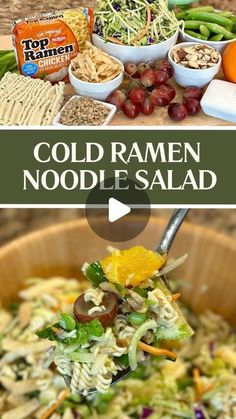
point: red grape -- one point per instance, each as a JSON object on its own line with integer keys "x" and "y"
{"x": 192, "y": 93}
{"x": 177, "y": 112}
{"x": 147, "y": 107}
{"x": 148, "y": 77}
{"x": 130, "y": 109}
{"x": 142, "y": 66}
{"x": 117, "y": 98}
{"x": 106, "y": 317}
{"x": 137, "y": 95}
{"x": 193, "y": 106}
{"x": 164, "y": 65}
{"x": 161, "y": 77}
{"x": 159, "y": 97}
{"x": 131, "y": 69}
{"x": 168, "y": 89}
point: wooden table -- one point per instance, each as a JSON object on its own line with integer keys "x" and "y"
{"x": 159, "y": 116}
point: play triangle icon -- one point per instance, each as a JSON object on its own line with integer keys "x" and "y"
{"x": 117, "y": 210}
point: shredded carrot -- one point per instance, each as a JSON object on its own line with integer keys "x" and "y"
{"x": 64, "y": 394}
{"x": 142, "y": 34}
{"x": 115, "y": 40}
{"x": 157, "y": 351}
{"x": 198, "y": 384}
{"x": 175, "y": 297}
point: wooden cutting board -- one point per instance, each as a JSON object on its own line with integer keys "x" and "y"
{"x": 159, "y": 116}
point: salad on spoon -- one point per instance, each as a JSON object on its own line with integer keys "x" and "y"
{"x": 126, "y": 315}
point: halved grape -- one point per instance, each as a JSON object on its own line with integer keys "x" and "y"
{"x": 81, "y": 308}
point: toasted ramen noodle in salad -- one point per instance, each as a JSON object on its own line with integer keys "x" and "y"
{"x": 126, "y": 314}
{"x": 200, "y": 384}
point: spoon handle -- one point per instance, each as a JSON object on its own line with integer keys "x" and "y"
{"x": 171, "y": 230}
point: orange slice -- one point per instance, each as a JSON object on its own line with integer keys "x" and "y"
{"x": 132, "y": 266}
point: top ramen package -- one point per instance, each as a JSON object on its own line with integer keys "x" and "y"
{"x": 45, "y": 44}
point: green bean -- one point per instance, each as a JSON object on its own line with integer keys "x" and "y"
{"x": 193, "y": 24}
{"x": 181, "y": 15}
{"x": 218, "y": 37}
{"x": 201, "y": 9}
{"x": 5, "y": 51}
{"x": 7, "y": 62}
{"x": 234, "y": 28}
{"x": 218, "y": 30}
{"x": 229, "y": 27}
{"x": 196, "y": 35}
{"x": 10, "y": 61}
{"x": 3, "y": 70}
{"x": 6, "y": 57}
{"x": 210, "y": 18}
{"x": 12, "y": 67}
{"x": 204, "y": 31}
{"x": 226, "y": 14}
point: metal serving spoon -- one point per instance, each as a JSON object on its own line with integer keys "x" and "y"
{"x": 164, "y": 246}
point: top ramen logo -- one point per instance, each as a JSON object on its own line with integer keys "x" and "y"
{"x": 35, "y": 49}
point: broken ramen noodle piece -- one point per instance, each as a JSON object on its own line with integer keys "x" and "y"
{"x": 45, "y": 44}
{"x": 95, "y": 66}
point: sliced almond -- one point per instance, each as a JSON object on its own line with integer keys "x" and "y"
{"x": 196, "y": 56}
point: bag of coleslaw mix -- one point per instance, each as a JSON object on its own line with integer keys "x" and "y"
{"x": 45, "y": 44}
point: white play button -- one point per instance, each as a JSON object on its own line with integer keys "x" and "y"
{"x": 117, "y": 210}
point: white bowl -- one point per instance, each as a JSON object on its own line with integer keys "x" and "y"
{"x": 109, "y": 106}
{"x": 136, "y": 54}
{"x": 98, "y": 91}
{"x": 186, "y": 77}
{"x": 220, "y": 45}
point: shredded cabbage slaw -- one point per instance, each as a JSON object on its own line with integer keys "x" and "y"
{"x": 134, "y": 22}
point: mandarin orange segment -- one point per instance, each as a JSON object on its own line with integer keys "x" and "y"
{"x": 132, "y": 266}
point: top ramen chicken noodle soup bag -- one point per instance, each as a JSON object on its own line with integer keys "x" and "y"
{"x": 45, "y": 44}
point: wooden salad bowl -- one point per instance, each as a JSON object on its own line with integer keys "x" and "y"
{"x": 208, "y": 275}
